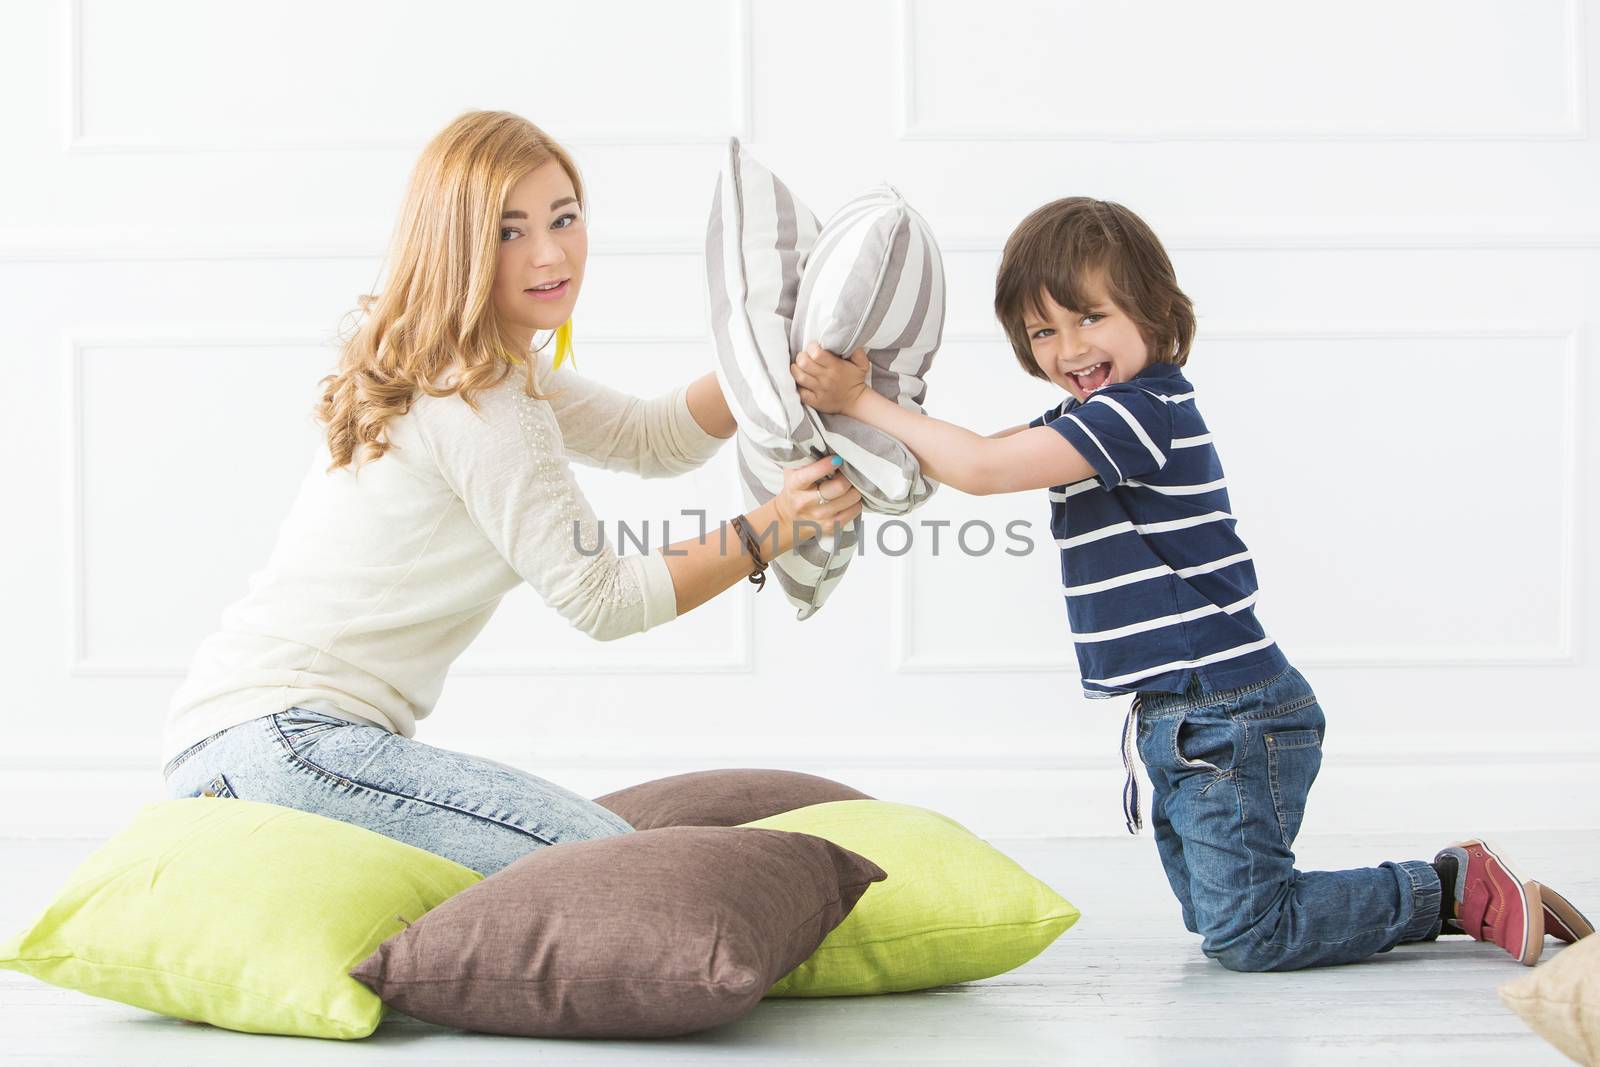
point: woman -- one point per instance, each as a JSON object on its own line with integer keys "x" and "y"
{"x": 445, "y": 484}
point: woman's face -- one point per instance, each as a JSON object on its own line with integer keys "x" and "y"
{"x": 543, "y": 248}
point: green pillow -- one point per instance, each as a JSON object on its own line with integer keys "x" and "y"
{"x": 239, "y": 914}
{"x": 953, "y": 908}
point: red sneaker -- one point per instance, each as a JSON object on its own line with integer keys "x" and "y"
{"x": 1562, "y": 920}
{"x": 1494, "y": 903}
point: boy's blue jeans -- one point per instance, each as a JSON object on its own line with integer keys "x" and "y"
{"x": 1230, "y": 772}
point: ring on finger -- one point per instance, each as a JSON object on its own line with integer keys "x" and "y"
{"x": 822, "y": 498}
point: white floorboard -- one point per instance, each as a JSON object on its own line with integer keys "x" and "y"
{"x": 1128, "y": 983}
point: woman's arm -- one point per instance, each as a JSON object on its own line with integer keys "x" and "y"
{"x": 710, "y": 408}
{"x": 702, "y": 567}
{"x": 504, "y": 464}
{"x": 666, "y": 435}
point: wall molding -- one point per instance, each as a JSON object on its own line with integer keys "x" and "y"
{"x": 1572, "y": 127}
{"x": 740, "y": 657}
{"x": 75, "y": 140}
{"x": 1016, "y": 798}
{"x": 736, "y": 655}
{"x": 71, "y": 246}
{"x": 905, "y": 659}
{"x": 1356, "y": 239}
{"x": 262, "y": 245}
{"x": 515, "y": 752}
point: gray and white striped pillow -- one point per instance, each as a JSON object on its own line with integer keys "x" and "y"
{"x": 874, "y": 280}
{"x": 871, "y": 278}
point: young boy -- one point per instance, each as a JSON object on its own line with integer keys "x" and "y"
{"x": 1160, "y": 594}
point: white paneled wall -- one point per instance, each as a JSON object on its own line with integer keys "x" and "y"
{"x": 1386, "y": 214}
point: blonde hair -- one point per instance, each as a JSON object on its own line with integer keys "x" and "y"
{"x": 435, "y": 314}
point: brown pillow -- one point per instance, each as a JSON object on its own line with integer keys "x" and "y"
{"x": 722, "y": 798}
{"x": 646, "y": 934}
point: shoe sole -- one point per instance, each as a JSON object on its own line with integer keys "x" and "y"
{"x": 1577, "y": 925}
{"x": 1532, "y": 905}
{"x": 1562, "y": 920}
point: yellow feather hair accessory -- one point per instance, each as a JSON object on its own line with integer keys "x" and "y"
{"x": 563, "y": 343}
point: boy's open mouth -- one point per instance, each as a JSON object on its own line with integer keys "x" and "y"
{"x": 1091, "y": 378}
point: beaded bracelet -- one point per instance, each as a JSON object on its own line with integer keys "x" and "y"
{"x": 757, "y": 577}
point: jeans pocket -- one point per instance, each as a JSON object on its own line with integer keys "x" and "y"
{"x": 298, "y": 724}
{"x": 1204, "y": 743}
{"x": 183, "y": 757}
{"x": 1293, "y": 759}
{"x": 219, "y": 787}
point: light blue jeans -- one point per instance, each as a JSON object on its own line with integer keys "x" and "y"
{"x": 1231, "y": 771}
{"x": 482, "y": 814}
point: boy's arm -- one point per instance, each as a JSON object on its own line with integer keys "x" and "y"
{"x": 1035, "y": 458}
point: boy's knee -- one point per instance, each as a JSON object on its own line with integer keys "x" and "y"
{"x": 1249, "y": 958}
{"x": 1253, "y": 944}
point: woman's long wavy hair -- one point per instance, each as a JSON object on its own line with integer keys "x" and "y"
{"x": 433, "y": 328}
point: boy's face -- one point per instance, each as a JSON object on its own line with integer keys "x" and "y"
{"x": 1085, "y": 351}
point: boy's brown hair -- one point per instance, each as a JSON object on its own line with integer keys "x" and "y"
{"x": 1059, "y": 245}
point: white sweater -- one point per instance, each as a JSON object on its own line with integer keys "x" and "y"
{"x": 381, "y": 577}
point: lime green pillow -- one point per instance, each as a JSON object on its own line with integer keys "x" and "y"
{"x": 239, "y": 914}
{"x": 953, "y": 909}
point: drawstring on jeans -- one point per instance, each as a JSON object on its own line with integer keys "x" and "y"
{"x": 1130, "y": 788}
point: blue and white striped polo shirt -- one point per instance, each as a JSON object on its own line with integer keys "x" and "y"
{"x": 1159, "y": 588}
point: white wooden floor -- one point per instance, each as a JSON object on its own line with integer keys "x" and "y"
{"x": 1127, "y": 983}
